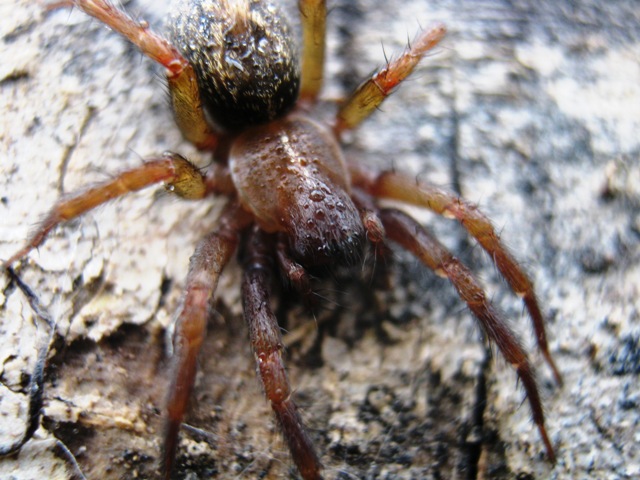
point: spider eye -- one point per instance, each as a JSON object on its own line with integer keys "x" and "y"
{"x": 244, "y": 58}
{"x": 329, "y": 250}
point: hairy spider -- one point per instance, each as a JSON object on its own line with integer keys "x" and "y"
{"x": 238, "y": 91}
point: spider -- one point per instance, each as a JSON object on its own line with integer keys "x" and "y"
{"x": 239, "y": 91}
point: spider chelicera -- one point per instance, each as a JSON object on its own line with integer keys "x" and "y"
{"x": 295, "y": 203}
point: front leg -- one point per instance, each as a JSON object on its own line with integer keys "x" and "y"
{"x": 412, "y": 236}
{"x": 264, "y": 333}
{"x": 394, "y": 186}
{"x": 211, "y": 255}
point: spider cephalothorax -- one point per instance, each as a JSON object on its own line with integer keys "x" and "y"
{"x": 302, "y": 189}
{"x": 294, "y": 201}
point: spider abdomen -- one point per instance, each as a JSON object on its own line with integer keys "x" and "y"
{"x": 291, "y": 176}
{"x": 244, "y": 57}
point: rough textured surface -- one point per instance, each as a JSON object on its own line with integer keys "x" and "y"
{"x": 529, "y": 108}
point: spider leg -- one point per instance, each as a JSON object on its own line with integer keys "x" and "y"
{"x": 183, "y": 87}
{"x": 313, "y": 15}
{"x": 211, "y": 255}
{"x": 412, "y": 236}
{"x": 180, "y": 176}
{"x": 266, "y": 341}
{"x": 371, "y": 93}
{"x": 295, "y": 273}
{"x": 397, "y": 187}
{"x": 369, "y": 216}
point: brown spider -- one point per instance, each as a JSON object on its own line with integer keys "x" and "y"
{"x": 237, "y": 90}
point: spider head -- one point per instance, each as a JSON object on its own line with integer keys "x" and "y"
{"x": 329, "y": 232}
{"x": 244, "y": 57}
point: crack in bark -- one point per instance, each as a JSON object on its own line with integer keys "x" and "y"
{"x": 475, "y": 440}
{"x": 68, "y": 151}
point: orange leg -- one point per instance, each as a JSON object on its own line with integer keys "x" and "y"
{"x": 266, "y": 341}
{"x": 313, "y": 15}
{"x": 370, "y": 94}
{"x": 411, "y": 235}
{"x": 397, "y": 187}
{"x": 183, "y": 87}
{"x": 180, "y": 176}
{"x": 210, "y": 257}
